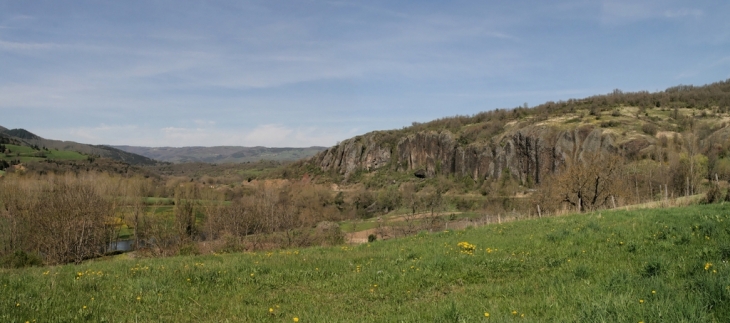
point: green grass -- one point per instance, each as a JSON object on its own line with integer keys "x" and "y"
{"x": 27, "y": 154}
{"x": 660, "y": 265}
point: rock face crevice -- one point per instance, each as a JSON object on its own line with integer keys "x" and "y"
{"x": 527, "y": 154}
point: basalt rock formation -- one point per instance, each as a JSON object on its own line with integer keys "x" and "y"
{"x": 527, "y": 154}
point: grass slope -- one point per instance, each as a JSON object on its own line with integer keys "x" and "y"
{"x": 661, "y": 265}
{"x": 27, "y": 154}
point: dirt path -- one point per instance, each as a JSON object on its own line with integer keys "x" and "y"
{"x": 359, "y": 236}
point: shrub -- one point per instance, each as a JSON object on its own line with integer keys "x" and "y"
{"x": 713, "y": 195}
{"x": 649, "y": 129}
{"x": 20, "y": 259}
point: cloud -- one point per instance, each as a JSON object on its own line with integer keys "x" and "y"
{"x": 630, "y": 11}
{"x": 681, "y": 13}
{"x": 8, "y": 45}
{"x": 268, "y": 135}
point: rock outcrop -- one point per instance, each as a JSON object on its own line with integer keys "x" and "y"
{"x": 527, "y": 154}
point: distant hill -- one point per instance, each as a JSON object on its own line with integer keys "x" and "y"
{"x": 22, "y": 134}
{"x": 221, "y": 154}
{"x": 24, "y": 137}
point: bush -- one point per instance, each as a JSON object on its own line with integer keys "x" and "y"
{"x": 713, "y": 195}
{"x": 189, "y": 249}
{"x": 20, "y": 259}
{"x": 329, "y": 233}
{"x": 649, "y": 129}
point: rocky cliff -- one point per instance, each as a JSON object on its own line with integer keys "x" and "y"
{"x": 528, "y": 153}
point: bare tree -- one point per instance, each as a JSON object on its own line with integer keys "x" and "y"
{"x": 589, "y": 183}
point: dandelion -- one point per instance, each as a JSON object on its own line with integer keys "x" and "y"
{"x": 486, "y": 314}
{"x": 139, "y": 298}
{"x": 708, "y": 266}
{"x": 271, "y": 310}
{"x": 641, "y": 301}
{"x": 295, "y": 319}
{"x": 466, "y": 248}
{"x": 514, "y": 312}
{"x": 251, "y": 274}
{"x": 653, "y": 292}
{"x": 84, "y": 307}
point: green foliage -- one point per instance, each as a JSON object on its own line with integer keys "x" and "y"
{"x": 20, "y": 259}
{"x": 189, "y": 249}
{"x": 30, "y": 154}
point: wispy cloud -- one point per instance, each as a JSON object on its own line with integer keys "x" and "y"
{"x": 683, "y": 12}
{"x": 9, "y": 45}
{"x": 256, "y": 73}
{"x": 619, "y": 11}
{"x": 269, "y": 135}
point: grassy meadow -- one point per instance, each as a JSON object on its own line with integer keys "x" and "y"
{"x": 27, "y": 154}
{"x": 653, "y": 265}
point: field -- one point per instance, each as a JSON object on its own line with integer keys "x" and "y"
{"x": 657, "y": 265}
{"x": 27, "y": 154}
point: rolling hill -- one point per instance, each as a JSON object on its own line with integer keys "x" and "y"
{"x": 22, "y": 137}
{"x": 221, "y": 154}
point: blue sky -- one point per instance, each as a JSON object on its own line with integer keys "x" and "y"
{"x": 302, "y": 73}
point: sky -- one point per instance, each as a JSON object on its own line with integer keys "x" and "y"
{"x": 313, "y": 73}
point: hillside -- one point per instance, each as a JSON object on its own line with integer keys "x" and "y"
{"x": 221, "y": 154}
{"x": 22, "y": 137}
{"x": 657, "y": 137}
{"x": 616, "y": 266}
{"x": 530, "y": 142}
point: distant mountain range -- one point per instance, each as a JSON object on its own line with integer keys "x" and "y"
{"x": 221, "y": 154}
{"x": 26, "y": 138}
{"x": 152, "y": 155}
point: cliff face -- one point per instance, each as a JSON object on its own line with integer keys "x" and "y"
{"x": 528, "y": 154}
